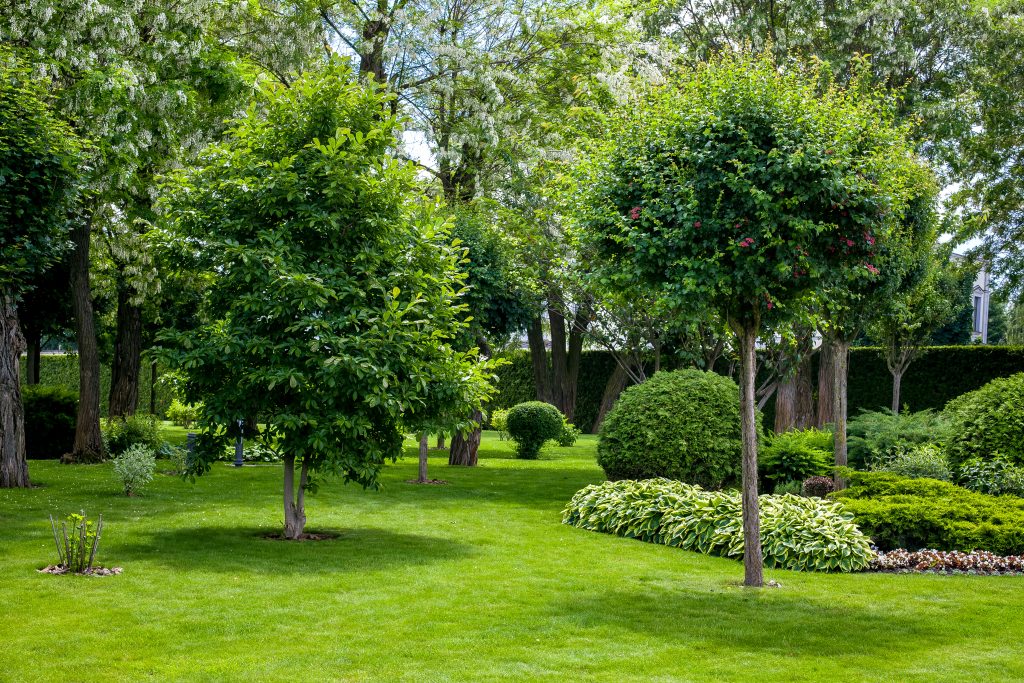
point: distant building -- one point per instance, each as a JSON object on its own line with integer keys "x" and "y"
{"x": 980, "y": 301}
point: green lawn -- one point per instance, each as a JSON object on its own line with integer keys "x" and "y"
{"x": 476, "y": 580}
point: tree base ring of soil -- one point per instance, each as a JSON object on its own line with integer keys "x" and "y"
{"x": 305, "y": 536}
{"x": 431, "y": 482}
{"x": 61, "y": 570}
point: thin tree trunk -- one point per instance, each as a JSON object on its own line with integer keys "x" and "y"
{"x": 897, "y": 379}
{"x": 559, "y": 356}
{"x": 826, "y": 375}
{"x": 615, "y": 385}
{"x": 424, "y": 450}
{"x": 294, "y": 501}
{"x": 840, "y": 362}
{"x": 753, "y": 563}
{"x": 152, "y": 388}
{"x": 464, "y": 447}
{"x": 539, "y": 359}
{"x": 574, "y": 359}
{"x": 13, "y": 465}
{"x": 33, "y": 353}
{"x": 88, "y": 446}
{"x": 124, "y": 372}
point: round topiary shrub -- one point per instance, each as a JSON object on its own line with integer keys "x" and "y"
{"x": 987, "y": 422}
{"x": 682, "y": 425}
{"x": 531, "y": 424}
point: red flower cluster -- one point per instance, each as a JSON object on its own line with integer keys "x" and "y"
{"x": 747, "y": 242}
{"x": 868, "y": 238}
{"x": 978, "y": 562}
{"x": 696, "y": 224}
{"x": 635, "y": 212}
{"x": 871, "y": 269}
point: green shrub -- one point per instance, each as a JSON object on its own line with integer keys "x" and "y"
{"x": 924, "y": 461}
{"x": 682, "y": 425}
{"x": 77, "y": 540}
{"x": 567, "y": 437}
{"x": 988, "y": 421}
{"x": 791, "y": 488}
{"x": 183, "y": 414}
{"x": 817, "y": 487}
{"x": 794, "y": 456}
{"x": 120, "y": 434}
{"x": 531, "y": 424}
{"x": 499, "y": 422}
{"x": 796, "y": 533}
{"x": 50, "y": 414}
{"x": 878, "y": 435}
{"x": 253, "y": 451}
{"x": 898, "y": 512}
{"x": 134, "y": 467}
{"x": 998, "y": 476}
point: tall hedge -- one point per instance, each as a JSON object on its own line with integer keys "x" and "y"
{"x": 943, "y": 373}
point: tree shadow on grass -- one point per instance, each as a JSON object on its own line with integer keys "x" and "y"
{"x": 248, "y": 549}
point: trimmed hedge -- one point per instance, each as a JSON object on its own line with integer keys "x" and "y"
{"x": 50, "y": 414}
{"x": 898, "y": 512}
{"x": 938, "y": 376}
{"x": 61, "y": 370}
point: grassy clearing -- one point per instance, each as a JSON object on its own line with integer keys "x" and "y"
{"x": 476, "y": 580}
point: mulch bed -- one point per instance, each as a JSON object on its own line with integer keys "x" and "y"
{"x": 947, "y": 562}
{"x": 95, "y": 571}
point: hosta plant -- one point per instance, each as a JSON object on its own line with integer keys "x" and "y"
{"x": 805, "y": 534}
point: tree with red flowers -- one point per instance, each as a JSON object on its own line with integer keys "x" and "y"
{"x": 740, "y": 186}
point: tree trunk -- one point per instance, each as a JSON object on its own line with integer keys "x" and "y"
{"x": 33, "y": 353}
{"x": 294, "y": 501}
{"x": 124, "y": 372}
{"x": 840, "y": 362}
{"x": 88, "y": 446}
{"x": 152, "y": 388}
{"x": 804, "y": 395}
{"x": 897, "y": 380}
{"x": 13, "y": 466}
{"x": 785, "y": 405}
{"x": 464, "y": 446}
{"x": 440, "y": 440}
{"x": 615, "y": 385}
{"x": 753, "y": 563}
{"x": 826, "y": 375}
{"x": 424, "y": 450}
{"x": 539, "y": 359}
{"x": 559, "y": 356}
{"x": 575, "y": 357}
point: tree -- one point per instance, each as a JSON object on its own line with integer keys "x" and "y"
{"x": 911, "y": 317}
{"x": 738, "y": 188}
{"x": 336, "y": 298}
{"x": 38, "y": 159}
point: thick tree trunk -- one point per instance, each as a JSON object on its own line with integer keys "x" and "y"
{"x": 294, "y": 500}
{"x": 124, "y": 372}
{"x": 539, "y": 359}
{"x": 33, "y": 353}
{"x": 785, "y": 405}
{"x": 615, "y": 385}
{"x": 13, "y": 466}
{"x": 424, "y": 451}
{"x": 897, "y": 380}
{"x": 573, "y": 361}
{"x": 559, "y": 357}
{"x": 840, "y": 362}
{"x": 464, "y": 447}
{"x": 88, "y": 446}
{"x": 804, "y": 395}
{"x": 440, "y": 440}
{"x": 826, "y": 376}
{"x": 753, "y": 563}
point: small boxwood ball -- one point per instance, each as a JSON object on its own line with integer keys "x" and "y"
{"x": 531, "y": 424}
{"x": 682, "y": 425}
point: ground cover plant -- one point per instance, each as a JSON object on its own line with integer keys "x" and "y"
{"x": 536, "y": 600}
{"x": 808, "y": 534}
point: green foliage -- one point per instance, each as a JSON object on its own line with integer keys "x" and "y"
{"x": 987, "y": 422}
{"x": 121, "y": 433}
{"x": 336, "y": 303}
{"x": 818, "y": 487}
{"x": 531, "y": 424}
{"x": 682, "y": 425}
{"x": 499, "y": 422}
{"x": 805, "y": 534}
{"x": 183, "y": 414}
{"x": 77, "y": 540}
{"x": 50, "y": 414}
{"x": 916, "y": 462}
{"x": 898, "y": 512}
{"x": 134, "y": 467}
{"x": 796, "y": 455}
{"x": 996, "y": 476}
{"x": 568, "y": 435}
{"x": 792, "y": 488}
{"x": 877, "y": 436}
{"x": 253, "y": 451}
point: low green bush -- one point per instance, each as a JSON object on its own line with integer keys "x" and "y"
{"x": 682, "y": 425}
{"x": 998, "y": 476}
{"x": 924, "y": 461}
{"x": 568, "y": 435}
{"x": 899, "y": 512}
{"x": 795, "y": 455}
{"x": 183, "y": 414}
{"x": 878, "y": 435}
{"x": 987, "y": 422}
{"x": 806, "y": 534}
{"x": 531, "y": 425}
{"x": 792, "y": 488}
{"x": 120, "y": 434}
{"x": 499, "y": 422}
{"x": 50, "y": 414}
{"x": 134, "y": 467}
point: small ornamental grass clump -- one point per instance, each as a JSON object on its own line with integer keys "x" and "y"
{"x": 531, "y": 425}
{"x": 805, "y": 534}
{"x": 134, "y": 468}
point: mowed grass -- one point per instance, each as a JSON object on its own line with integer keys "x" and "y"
{"x": 474, "y": 581}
